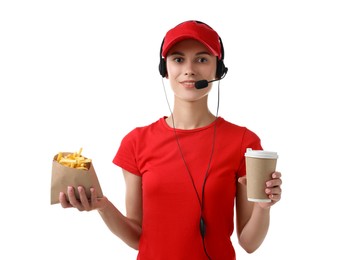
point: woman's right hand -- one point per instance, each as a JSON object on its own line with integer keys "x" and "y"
{"x": 82, "y": 204}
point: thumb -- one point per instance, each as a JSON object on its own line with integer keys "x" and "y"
{"x": 242, "y": 180}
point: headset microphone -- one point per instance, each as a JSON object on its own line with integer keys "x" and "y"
{"x": 203, "y": 83}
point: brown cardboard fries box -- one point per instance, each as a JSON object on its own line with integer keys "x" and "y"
{"x": 63, "y": 176}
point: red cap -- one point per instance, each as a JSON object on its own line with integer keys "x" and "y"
{"x": 193, "y": 30}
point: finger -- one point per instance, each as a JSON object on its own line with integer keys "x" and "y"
{"x": 83, "y": 198}
{"x": 276, "y": 175}
{"x": 274, "y": 183}
{"x": 274, "y": 191}
{"x": 275, "y": 197}
{"x": 72, "y": 198}
{"x": 93, "y": 197}
{"x": 63, "y": 200}
{"x": 242, "y": 180}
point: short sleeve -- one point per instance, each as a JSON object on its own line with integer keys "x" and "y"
{"x": 249, "y": 140}
{"x": 126, "y": 154}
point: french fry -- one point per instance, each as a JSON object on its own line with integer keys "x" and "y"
{"x": 74, "y": 160}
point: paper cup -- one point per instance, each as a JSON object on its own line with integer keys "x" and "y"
{"x": 259, "y": 167}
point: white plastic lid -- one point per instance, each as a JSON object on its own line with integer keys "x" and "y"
{"x": 261, "y": 154}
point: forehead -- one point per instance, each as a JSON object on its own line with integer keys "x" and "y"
{"x": 188, "y": 45}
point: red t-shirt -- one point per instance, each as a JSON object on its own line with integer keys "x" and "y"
{"x": 171, "y": 208}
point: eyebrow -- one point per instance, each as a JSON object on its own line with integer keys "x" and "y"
{"x": 199, "y": 53}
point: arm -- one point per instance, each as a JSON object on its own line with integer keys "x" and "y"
{"x": 253, "y": 218}
{"x": 127, "y": 228}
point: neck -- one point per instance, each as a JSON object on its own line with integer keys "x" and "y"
{"x": 190, "y": 115}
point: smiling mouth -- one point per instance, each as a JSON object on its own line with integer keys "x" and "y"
{"x": 188, "y": 84}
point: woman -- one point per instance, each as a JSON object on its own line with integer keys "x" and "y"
{"x": 185, "y": 173}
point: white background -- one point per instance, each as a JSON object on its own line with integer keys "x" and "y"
{"x": 84, "y": 73}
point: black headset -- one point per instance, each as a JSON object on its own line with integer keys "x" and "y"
{"x": 221, "y": 70}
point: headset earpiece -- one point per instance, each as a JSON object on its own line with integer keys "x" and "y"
{"x": 220, "y": 69}
{"x": 162, "y": 67}
{"x": 162, "y": 63}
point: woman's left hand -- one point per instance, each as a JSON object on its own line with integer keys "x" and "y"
{"x": 273, "y": 190}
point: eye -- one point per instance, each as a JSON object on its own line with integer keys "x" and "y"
{"x": 202, "y": 59}
{"x": 178, "y": 59}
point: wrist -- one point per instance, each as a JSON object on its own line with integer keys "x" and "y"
{"x": 258, "y": 207}
{"x": 104, "y": 205}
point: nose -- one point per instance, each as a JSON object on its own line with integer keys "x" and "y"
{"x": 189, "y": 68}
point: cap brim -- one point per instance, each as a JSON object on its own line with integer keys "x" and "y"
{"x": 170, "y": 44}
